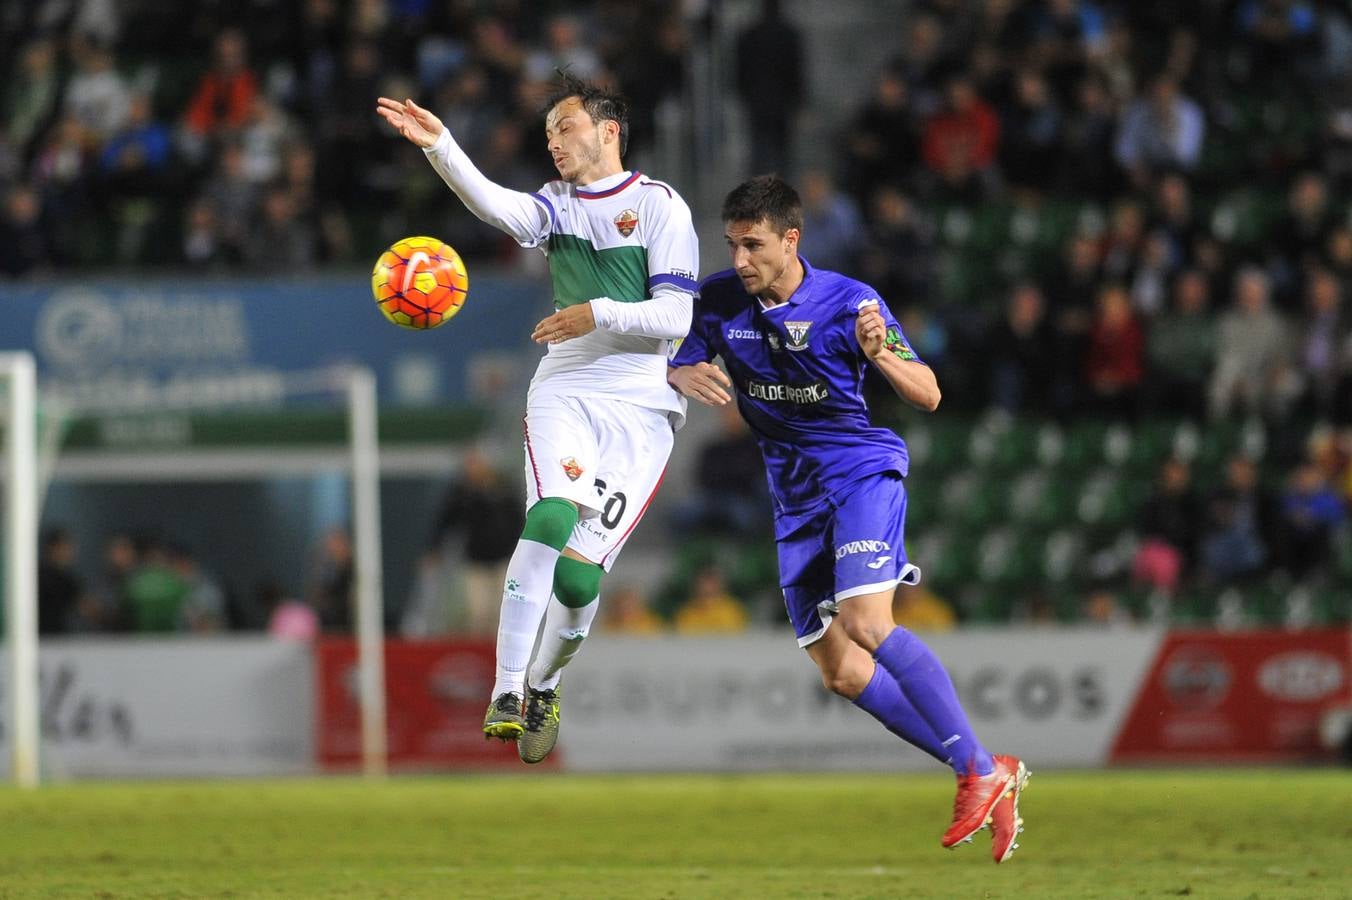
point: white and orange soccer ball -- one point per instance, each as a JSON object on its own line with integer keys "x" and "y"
{"x": 420, "y": 282}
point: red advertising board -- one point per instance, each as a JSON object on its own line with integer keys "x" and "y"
{"x": 1236, "y": 697}
{"x": 436, "y": 693}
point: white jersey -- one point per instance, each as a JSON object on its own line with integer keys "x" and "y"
{"x": 624, "y": 243}
{"x": 624, "y": 237}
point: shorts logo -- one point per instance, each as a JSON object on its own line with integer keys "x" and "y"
{"x": 797, "y": 334}
{"x": 879, "y": 562}
{"x": 571, "y": 468}
{"x": 852, "y": 547}
{"x": 626, "y": 222}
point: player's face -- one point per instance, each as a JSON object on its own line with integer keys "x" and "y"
{"x": 574, "y": 141}
{"x": 760, "y": 255}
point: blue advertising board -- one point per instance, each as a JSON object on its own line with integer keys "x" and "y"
{"x": 103, "y": 341}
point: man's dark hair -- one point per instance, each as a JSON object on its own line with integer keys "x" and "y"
{"x": 767, "y": 197}
{"x": 599, "y": 103}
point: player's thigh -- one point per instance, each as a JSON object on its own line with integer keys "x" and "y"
{"x": 562, "y": 450}
{"x": 634, "y": 444}
{"x": 806, "y": 577}
{"x": 868, "y": 539}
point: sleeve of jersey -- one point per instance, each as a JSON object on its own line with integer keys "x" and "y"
{"x": 694, "y": 347}
{"x": 895, "y": 341}
{"x": 526, "y": 217}
{"x": 673, "y": 255}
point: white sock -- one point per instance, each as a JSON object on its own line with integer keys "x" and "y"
{"x": 565, "y": 630}
{"x": 530, "y": 582}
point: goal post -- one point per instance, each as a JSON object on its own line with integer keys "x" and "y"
{"x": 26, "y": 471}
{"x": 18, "y": 375}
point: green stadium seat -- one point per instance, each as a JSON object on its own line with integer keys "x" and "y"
{"x": 1062, "y": 553}
{"x": 1084, "y": 445}
{"x": 1007, "y": 557}
{"x": 974, "y": 499}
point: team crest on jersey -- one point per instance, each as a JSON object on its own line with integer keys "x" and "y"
{"x": 626, "y": 222}
{"x": 571, "y": 468}
{"x": 797, "y": 334}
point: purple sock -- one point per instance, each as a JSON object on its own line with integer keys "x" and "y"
{"x": 923, "y": 681}
{"x": 883, "y": 700}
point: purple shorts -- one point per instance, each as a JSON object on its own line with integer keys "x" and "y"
{"x": 853, "y": 547}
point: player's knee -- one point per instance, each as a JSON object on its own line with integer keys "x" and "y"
{"x": 847, "y": 681}
{"x": 576, "y": 583}
{"x": 550, "y": 522}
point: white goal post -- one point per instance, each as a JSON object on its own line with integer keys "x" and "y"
{"x": 23, "y": 479}
{"x": 18, "y": 374}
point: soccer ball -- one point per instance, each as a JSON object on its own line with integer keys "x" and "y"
{"x": 419, "y": 282}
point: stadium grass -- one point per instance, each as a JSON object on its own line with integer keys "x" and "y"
{"x": 1250, "y": 833}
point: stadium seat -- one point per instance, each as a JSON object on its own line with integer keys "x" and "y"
{"x": 1007, "y": 557}
{"x": 974, "y": 499}
{"x": 1084, "y": 445}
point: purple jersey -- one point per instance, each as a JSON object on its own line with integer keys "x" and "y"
{"x": 798, "y": 372}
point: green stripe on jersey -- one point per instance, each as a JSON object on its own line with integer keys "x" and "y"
{"x": 581, "y": 272}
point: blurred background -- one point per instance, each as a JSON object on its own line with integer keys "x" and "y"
{"x": 1119, "y": 231}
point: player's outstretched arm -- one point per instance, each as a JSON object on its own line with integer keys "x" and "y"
{"x": 526, "y": 217}
{"x": 913, "y": 381}
{"x": 703, "y": 381}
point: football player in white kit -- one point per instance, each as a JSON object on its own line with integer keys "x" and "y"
{"x": 600, "y": 415}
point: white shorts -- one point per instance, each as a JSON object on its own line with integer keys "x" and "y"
{"x": 607, "y": 456}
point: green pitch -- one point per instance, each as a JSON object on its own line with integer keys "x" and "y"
{"x": 1268, "y": 833}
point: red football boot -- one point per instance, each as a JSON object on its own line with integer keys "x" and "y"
{"x": 976, "y": 795}
{"x": 1004, "y": 819}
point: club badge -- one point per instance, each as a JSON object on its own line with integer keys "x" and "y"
{"x": 797, "y": 334}
{"x": 626, "y": 222}
{"x": 571, "y": 468}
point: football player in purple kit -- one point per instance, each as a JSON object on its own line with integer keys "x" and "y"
{"x": 797, "y": 342}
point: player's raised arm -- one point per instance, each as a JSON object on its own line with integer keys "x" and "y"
{"x": 525, "y": 217}
{"x": 885, "y": 346}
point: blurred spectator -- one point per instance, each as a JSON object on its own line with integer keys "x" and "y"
{"x": 281, "y": 240}
{"x": 137, "y": 152}
{"x": 156, "y": 591}
{"x": 1160, "y": 131}
{"x": 1181, "y": 348}
{"x": 1310, "y": 511}
{"x": 898, "y": 258}
{"x": 106, "y": 609}
{"x": 1103, "y": 607}
{"x": 202, "y": 245}
{"x": 484, "y": 511}
{"x": 563, "y": 51}
{"x": 710, "y": 609}
{"x": 1167, "y": 529}
{"x": 224, "y": 96}
{"x": 1252, "y": 352}
{"x": 1020, "y": 356}
{"x": 60, "y": 589}
{"x": 263, "y": 138}
{"x": 833, "y": 234}
{"x": 31, "y": 96}
{"x": 1322, "y": 331}
{"x": 1240, "y": 518}
{"x": 1300, "y": 236}
{"x": 731, "y": 495}
{"x": 25, "y": 247}
{"x": 1115, "y": 358}
{"x": 921, "y": 64}
{"x": 625, "y": 611}
{"x": 961, "y": 141}
{"x": 1124, "y": 241}
{"x": 1031, "y": 135}
{"x": 330, "y": 586}
{"x": 772, "y": 83}
{"x": 1281, "y": 38}
{"x": 1174, "y": 216}
{"x": 97, "y": 96}
{"x": 1088, "y": 166}
{"x": 652, "y": 73}
{"x": 288, "y": 618}
{"x": 204, "y": 607}
{"x": 1152, "y": 275}
{"x": 917, "y": 608}
{"x": 883, "y": 141}
{"x": 234, "y": 202}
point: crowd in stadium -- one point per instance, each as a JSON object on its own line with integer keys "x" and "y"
{"x": 1080, "y": 209}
